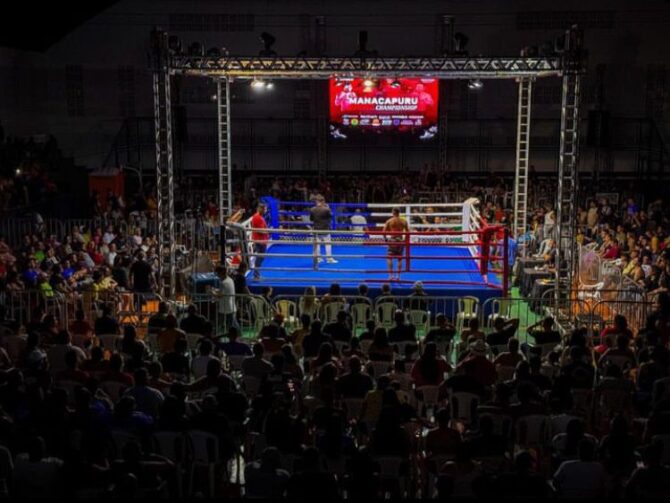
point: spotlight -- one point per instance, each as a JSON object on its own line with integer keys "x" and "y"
{"x": 368, "y": 83}
{"x": 475, "y": 85}
{"x": 268, "y": 41}
{"x": 257, "y": 84}
{"x": 18, "y": 171}
{"x": 214, "y": 98}
{"x": 269, "y": 85}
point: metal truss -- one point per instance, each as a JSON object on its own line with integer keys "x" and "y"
{"x": 325, "y": 68}
{"x": 225, "y": 161}
{"x": 522, "y": 154}
{"x": 164, "y": 170}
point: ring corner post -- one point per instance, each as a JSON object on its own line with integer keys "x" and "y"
{"x": 505, "y": 278}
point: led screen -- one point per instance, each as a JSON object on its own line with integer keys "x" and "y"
{"x": 364, "y": 106}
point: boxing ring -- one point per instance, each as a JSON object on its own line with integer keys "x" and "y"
{"x": 448, "y": 248}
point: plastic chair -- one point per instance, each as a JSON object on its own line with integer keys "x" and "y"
{"x": 429, "y": 397}
{"x": 113, "y": 388}
{"x": 172, "y": 445}
{"x": 386, "y": 313}
{"x": 119, "y": 440}
{"x": 360, "y": 314}
{"x": 500, "y": 308}
{"x": 330, "y": 310}
{"x": 204, "y": 449}
{"x": 464, "y": 407}
{"x": 289, "y": 310}
{"x": 341, "y": 345}
{"x": 260, "y": 311}
{"x": 235, "y": 362}
{"x": 505, "y": 373}
{"x": 109, "y": 342}
{"x": 532, "y": 431}
{"x": 420, "y": 319}
{"x": 381, "y": 368}
{"x": 502, "y": 423}
{"x": 390, "y": 470}
{"x": 467, "y": 310}
{"x": 192, "y": 341}
{"x": 365, "y": 345}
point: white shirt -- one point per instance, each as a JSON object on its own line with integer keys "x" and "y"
{"x": 227, "y": 301}
{"x": 580, "y": 479}
{"x": 358, "y": 221}
{"x": 199, "y": 365}
{"x": 148, "y": 399}
{"x": 56, "y": 355}
{"x": 111, "y": 256}
{"x": 107, "y": 237}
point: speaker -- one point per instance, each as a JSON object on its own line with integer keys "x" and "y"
{"x": 598, "y": 134}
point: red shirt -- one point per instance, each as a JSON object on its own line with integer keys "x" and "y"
{"x": 258, "y": 222}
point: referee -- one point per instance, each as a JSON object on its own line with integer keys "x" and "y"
{"x": 321, "y": 218}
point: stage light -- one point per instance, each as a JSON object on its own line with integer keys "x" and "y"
{"x": 475, "y": 85}
{"x": 368, "y": 83}
{"x": 257, "y": 84}
{"x": 18, "y": 172}
{"x": 268, "y": 41}
{"x": 269, "y": 85}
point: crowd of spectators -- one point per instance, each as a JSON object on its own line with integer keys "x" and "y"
{"x": 313, "y": 408}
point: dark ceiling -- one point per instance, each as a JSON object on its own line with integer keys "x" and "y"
{"x": 36, "y": 26}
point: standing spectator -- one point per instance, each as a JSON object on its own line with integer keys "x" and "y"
{"x": 226, "y": 294}
{"x": 141, "y": 275}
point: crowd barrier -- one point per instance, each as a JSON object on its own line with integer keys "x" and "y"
{"x": 255, "y": 311}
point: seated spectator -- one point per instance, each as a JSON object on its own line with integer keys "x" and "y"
{"x": 193, "y": 323}
{"x": 158, "y": 321}
{"x": 617, "y": 448}
{"x": 273, "y": 336}
{"x": 540, "y": 380}
{"x": 415, "y": 302}
{"x": 37, "y": 475}
{"x": 312, "y": 342}
{"x": 291, "y": 366}
{"x": 380, "y": 349}
{"x": 130, "y": 344}
{"x": 442, "y": 440}
{"x": 566, "y": 445}
{"x": 369, "y": 332}
{"x": 157, "y": 379}
{"x": 503, "y": 331}
{"x": 169, "y": 334}
{"x": 529, "y": 402}
{"x": 96, "y": 365}
{"x": 265, "y": 478}
{"x": 372, "y": 403}
{"x": 147, "y": 399}
{"x": 651, "y": 481}
{"x": 472, "y": 333}
{"x": 256, "y": 366}
{"x": 81, "y": 331}
{"x": 339, "y": 330}
{"x": 107, "y": 324}
{"x": 310, "y": 482}
{"x": 620, "y": 327}
{"x": 214, "y": 378}
{"x": 199, "y": 363}
{"x": 326, "y": 356}
{"x": 56, "y": 353}
{"x": 482, "y": 369}
{"x": 621, "y": 356}
{"x": 72, "y": 372}
{"x": 546, "y": 334}
{"x": 443, "y": 333}
{"x": 176, "y": 360}
{"x": 460, "y": 478}
{"x": 116, "y": 373}
{"x": 485, "y": 443}
{"x": 511, "y": 357}
{"x": 298, "y": 335}
{"x": 430, "y": 369}
{"x": 401, "y": 332}
{"x": 522, "y": 483}
{"x": 581, "y": 478}
{"x": 355, "y": 383}
{"x": 233, "y": 347}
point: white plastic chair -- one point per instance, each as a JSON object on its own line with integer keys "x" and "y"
{"x": 467, "y": 310}
{"x": 386, "y": 313}
{"x": 464, "y": 407}
{"x": 502, "y": 423}
{"x": 365, "y": 345}
{"x": 420, "y": 319}
{"x": 360, "y": 314}
{"x": 381, "y": 368}
{"x": 289, "y": 310}
{"x": 429, "y": 397}
{"x": 390, "y": 470}
{"x": 340, "y": 345}
{"x": 330, "y": 310}
{"x": 235, "y": 362}
{"x": 260, "y": 311}
{"x": 172, "y": 445}
{"x": 500, "y": 308}
{"x": 204, "y": 448}
{"x": 192, "y": 341}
